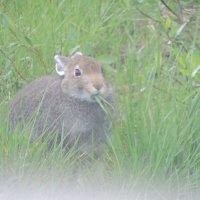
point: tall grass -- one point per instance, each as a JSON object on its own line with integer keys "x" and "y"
{"x": 148, "y": 53}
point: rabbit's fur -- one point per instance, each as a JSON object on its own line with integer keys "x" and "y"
{"x": 64, "y": 104}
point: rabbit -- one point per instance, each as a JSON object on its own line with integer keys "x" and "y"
{"x": 65, "y": 104}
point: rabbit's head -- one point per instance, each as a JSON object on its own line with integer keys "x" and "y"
{"x": 82, "y": 77}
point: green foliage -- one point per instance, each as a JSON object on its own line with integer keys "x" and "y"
{"x": 151, "y": 55}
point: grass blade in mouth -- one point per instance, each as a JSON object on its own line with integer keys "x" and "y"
{"x": 98, "y": 99}
{"x": 105, "y": 105}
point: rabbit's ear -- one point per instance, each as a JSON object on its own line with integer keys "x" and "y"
{"x": 61, "y": 64}
{"x": 77, "y": 53}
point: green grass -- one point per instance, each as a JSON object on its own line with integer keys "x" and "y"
{"x": 149, "y": 55}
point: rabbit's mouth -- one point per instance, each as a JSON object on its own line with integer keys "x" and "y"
{"x": 96, "y": 93}
{"x": 85, "y": 95}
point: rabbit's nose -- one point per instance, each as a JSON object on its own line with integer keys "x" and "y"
{"x": 98, "y": 86}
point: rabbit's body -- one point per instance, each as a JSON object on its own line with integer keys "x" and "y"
{"x": 68, "y": 113}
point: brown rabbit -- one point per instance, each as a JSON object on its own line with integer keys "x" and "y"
{"x": 65, "y": 105}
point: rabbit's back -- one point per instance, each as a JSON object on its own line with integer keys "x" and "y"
{"x": 31, "y": 99}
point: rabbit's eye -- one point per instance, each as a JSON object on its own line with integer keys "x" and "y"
{"x": 77, "y": 72}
